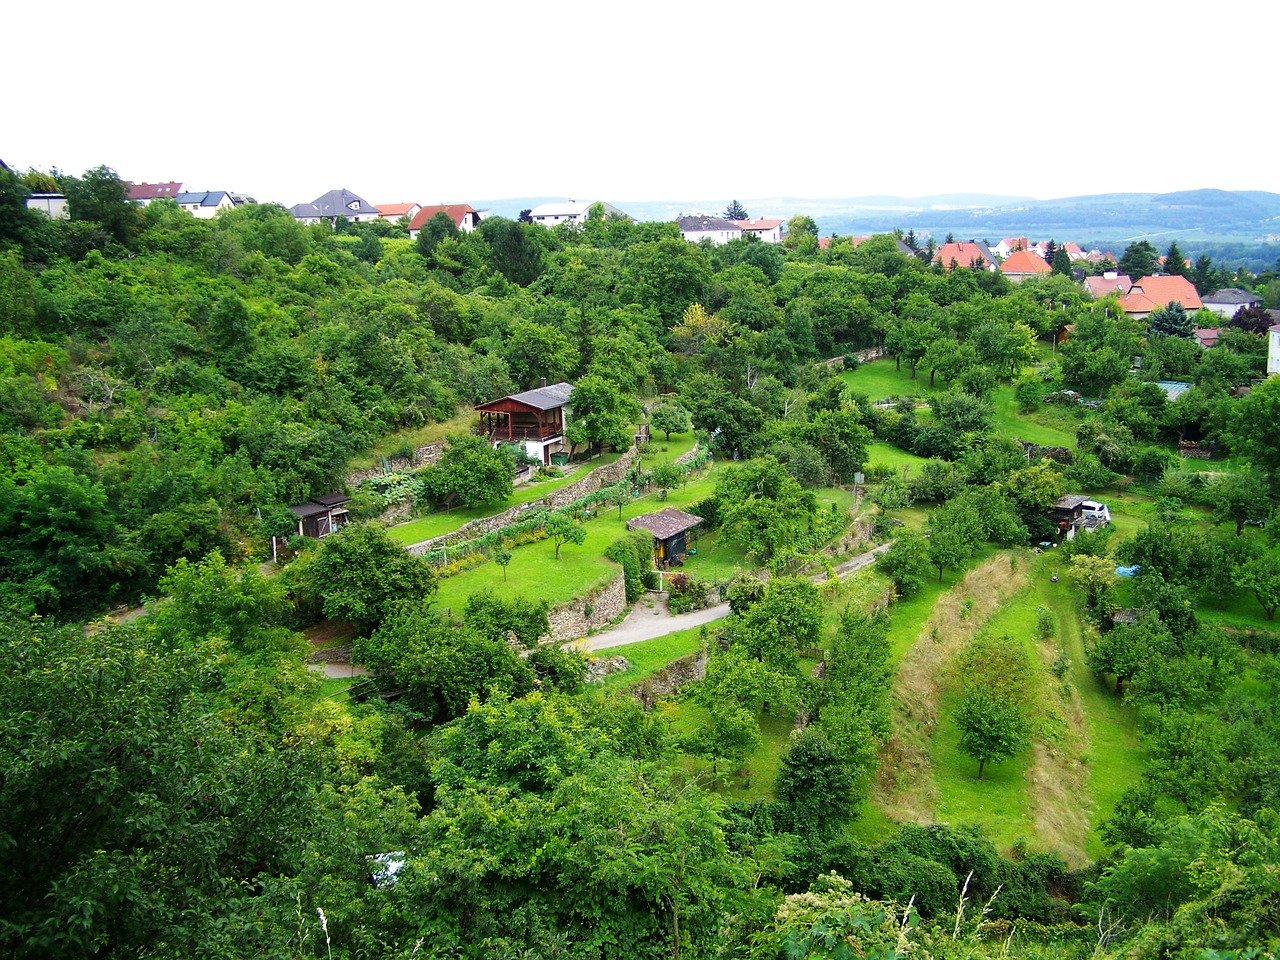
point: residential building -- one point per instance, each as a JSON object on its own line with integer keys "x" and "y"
{"x": 334, "y": 204}
{"x": 1229, "y": 302}
{"x": 1107, "y": 284}
{"x": 697, "y": 229}
{"x": 52, "y": 205}
{"x": 464, "y": 217}
{"x": 770, "y": 231}
{"x": 205, "y": 205}
{"x": 1273, "y": 349}
{"x": 1021, "y": 264}
{"x": 1153, "y": 293}
{"x": 570, "y": 211}
{"x": 394, "y": 211}
{"x": 1206, "y": 336}
{"x": 973, "y": 253}
{"x": 1009, "y": 245}
{"x": 534, "y": 419}
{"x": 144, "y": 193}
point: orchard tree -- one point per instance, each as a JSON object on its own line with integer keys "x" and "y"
{"x": 669, "y": 418}
{"x": 563, "y": 528}
{"x": 1260, "y": 575}
{"x": 992, "y": 727}
{"x": 502, "y": 557}
{"x": 906, "y": 562}
{"x": 665, "y": 476}
{"x": 602, "y": 414}
{"x": 955, "y": 531}
{"x": 471, "y": 472}
{"x": 361, "y": 575}
{"x": 1255, "y": 431}
{"x": 1239, "y": 496}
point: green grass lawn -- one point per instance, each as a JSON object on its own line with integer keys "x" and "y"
{"x": 754, "y": 779}
{"x": 662, "y": 450}
{"x": 886, "y": 454}
{"x": 534, "y": 572}
{"x": 438, "y": 524}
{"x": 649, "y": 656}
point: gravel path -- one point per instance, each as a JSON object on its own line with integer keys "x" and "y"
{"x": 649, "y": 618}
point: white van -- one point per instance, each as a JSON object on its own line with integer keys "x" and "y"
{"x": 1095, "y": 514}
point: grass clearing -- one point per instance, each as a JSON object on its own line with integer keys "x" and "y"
{"x": 438, "y": 524}
{"x": 648, "y": 657}
{"x": 662, "y": 450}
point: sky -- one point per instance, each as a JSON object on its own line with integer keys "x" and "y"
{"x": 437, "y": 102}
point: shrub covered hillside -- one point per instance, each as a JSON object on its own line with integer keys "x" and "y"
{"x": 989, "y": 744}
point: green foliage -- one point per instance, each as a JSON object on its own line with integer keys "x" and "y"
{"x": 360, "y": 574}
{"x": 686, "y": 592}
{"x": 669, "y": 418}
{"x": 634, "y": 553}
{"x": 992, "y": 727}
{"x": 815, "y": 784}
{"x": 562, "y": 528}
{"x": 471, "y": 472}
{"x": 906, "y": 562}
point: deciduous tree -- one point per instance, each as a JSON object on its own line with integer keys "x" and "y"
{"x": 992, "y": 727}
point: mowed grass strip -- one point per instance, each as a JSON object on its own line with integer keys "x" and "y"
{"x": 438, "y": 524}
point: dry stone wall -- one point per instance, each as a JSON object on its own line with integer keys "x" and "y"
{"x": 423, "y": 456}
{"x": 579, "y": 617}
{"x": 672, "y": 677}
{"x": 597, "y": 478}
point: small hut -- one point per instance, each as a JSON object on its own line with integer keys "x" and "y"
{"x": 670, "y": 528}
{"x": 322, "y": 515}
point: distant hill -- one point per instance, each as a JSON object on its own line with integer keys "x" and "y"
{"x": 1100, "y": 219}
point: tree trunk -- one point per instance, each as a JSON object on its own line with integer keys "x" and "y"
{"x": 981, "y": 764}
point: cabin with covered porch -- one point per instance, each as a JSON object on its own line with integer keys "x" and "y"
{"x": 534, "y": 419}
{"x": 672, "y": 530}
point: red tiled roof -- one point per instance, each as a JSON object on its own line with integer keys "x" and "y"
{"x": 154, "y": 191}
{"x": 1103, "y": 286}
{"x": 395, "y": 209}
{"x": 456, "y": 211}
{"x": 1024, "y": 261}
{"x": 963, "y": 254}
{"x": 1135, "y": 301}
{"x": 1164, "y": 290}
{"x": 824, "y": 243}
{"x": 757, "y": 224}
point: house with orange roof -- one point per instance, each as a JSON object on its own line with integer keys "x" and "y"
{"x": 1153, "y": 293}
{"x": 973, "y": 253}
{"x": 394, "y": 211}
{"x": 770, "y": 231}
{"x": 1107, "y": 284}
{"x": 1021, "y": 264}
{"x": 464, "y": 216}
{"x": 1074, "y": 252}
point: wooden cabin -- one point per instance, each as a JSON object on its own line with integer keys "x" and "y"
{"x": 535, "y": 419}
{"x": 671, "y": 529}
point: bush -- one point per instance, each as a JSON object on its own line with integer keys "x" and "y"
{"x": 686, "y": 592}
{"x": 634, "y": 552}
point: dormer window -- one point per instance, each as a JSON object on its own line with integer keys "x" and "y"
{"x": 354, "y": 205}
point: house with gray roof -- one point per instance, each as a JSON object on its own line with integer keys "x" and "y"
{"x": 205, "y": 204}
{"x": 335, "y": 204}
{"x": 534, "y": 419}
{"x": 1229, "y": 302}
{"x": 696, "y": 229}
{"x": 671, "y": 529}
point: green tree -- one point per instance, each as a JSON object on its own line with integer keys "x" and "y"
{"x": 1126, "y": 648}
{"x": 736, "y": 211}
{"x": 1175, "y": 264}
{"x": 669, "y": 418}
{"x": 665, "y": 476}
{"x": 992, "y": 727}
{"x": 562, "y": 529}
{"x": 1171, "y": 320}
{"x": 906, "y": 562}
{"x": 1239, "y": 496}
{"x": 1260, "y": 575}
{"x": 471, "y": 472}
{"x": 730, "y": 734}
{"x": 502, "y": 557}
{"x": 101, "y": 197}
{"x": 515, "y": 249}
{"x": 440, "y": 227}
{"x": 814, "y": 785}
{"x": 1140, "y": 259}
{"x": 955, "y": 530}
{"x": 602, "y": 414}
{"x": 762, "y": 507}
{"x": 360, "y": 574}
{"x": 1061, "y": 262}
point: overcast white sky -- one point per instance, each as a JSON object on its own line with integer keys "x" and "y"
{"x": 463, "y": 101}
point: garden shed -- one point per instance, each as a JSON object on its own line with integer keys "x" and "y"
{"x": 322, "y": 515}
{"x": 671, "y": 529}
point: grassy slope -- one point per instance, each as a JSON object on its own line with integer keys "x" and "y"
{"x": 438, "y": 524}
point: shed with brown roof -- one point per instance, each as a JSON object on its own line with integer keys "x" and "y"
{"x": 670, "y": 528}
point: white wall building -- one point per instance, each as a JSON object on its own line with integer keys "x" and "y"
{"x": 570, "y": 211}
{"x": 697, "y": 229}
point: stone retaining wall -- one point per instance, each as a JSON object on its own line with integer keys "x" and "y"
{"x": 672, "y": 677}
{"x": 569, "y": 621}
{"x": 687, "y": 455}
{"x": 338, "y": 654}
{"x": 597, "y": 478}
{"x": 423, "y": 456}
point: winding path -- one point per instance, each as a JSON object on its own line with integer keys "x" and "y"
{"x": 649, "y": 619}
